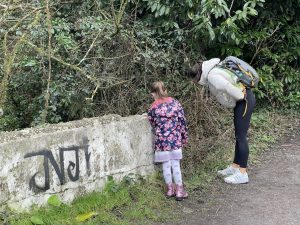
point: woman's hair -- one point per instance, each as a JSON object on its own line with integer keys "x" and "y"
{"x": 159, "y": 89}
{"x": 196, "y": 71}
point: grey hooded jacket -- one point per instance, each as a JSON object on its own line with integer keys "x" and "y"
{"x": 221, "y": 83}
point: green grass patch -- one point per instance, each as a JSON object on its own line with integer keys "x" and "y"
{"x": 128, "y": 202}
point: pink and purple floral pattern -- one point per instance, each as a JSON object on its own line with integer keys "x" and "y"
{"x": 168, "y": 121}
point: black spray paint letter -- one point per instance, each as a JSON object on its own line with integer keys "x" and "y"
{"x": 72, "y": 169}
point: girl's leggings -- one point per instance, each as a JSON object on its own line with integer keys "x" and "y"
{"x": 169, "y": 167}
{"x": 242, "y": 116}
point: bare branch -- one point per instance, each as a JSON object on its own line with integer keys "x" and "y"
{"x": 13, "y": 28}
{"x": 21, "y": 7}
{"x": 90, "y": 48}
{"x": 230, "y": 8}
{"x": 49, "y": 28}
{"x": 10, "y": 58}
{"x": 259, "y": 45}
{"x": 109, "y": 58}
{"x": 4, "y": 6}
{"x": 74, "y": 67}
{"x": 105, "y": 87}
{"x": 93, "y": 94}
{"x": 118, "y": 17}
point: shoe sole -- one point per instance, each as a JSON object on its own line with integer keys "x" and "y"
{"x": 225, "y": 174}
{"x": 180, "y": 199}
{"x": 236, "y": 183}
{"x": 172, "y": 196}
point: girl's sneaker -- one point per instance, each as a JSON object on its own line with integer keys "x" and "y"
{"x": 180, "y": 193}
{"x": 170, "y": 191}
{"x": 237, "y": 178}
{"x": 230, "y": 170}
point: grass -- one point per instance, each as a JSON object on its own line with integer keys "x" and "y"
{"x": 128, "y": 202}
{"x": 141, "y": 201}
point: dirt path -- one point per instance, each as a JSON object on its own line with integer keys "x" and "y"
{"x": 272, "y": 196}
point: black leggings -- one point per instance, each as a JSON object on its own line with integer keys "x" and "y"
{"x": 241, "y": 126}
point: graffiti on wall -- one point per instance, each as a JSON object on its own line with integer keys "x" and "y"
{"x": 73, "y": 170}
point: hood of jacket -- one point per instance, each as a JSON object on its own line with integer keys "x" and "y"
{"x": 167, "y": 108}
{"x": 207, "y": 66}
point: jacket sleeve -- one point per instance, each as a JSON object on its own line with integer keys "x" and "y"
{"x": 183, "y": 125}
{"x": 150, "y": 117}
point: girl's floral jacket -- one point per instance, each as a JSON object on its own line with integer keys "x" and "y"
{"x": 167, "y": 118}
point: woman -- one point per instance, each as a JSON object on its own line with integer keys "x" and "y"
{"x": 224, "y": 85}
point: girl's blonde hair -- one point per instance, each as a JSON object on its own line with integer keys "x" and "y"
{"x": 159, "y": 89}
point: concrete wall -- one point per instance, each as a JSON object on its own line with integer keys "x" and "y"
{"x": 71, "y": 159}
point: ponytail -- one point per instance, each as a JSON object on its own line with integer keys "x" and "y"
{"x": 159, "y": 89}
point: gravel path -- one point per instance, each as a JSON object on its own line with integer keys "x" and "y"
{"x": 272, "y": 197}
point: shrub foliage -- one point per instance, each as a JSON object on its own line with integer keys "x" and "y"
{"x": 63, "y": 60}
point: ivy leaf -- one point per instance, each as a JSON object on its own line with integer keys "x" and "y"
{"x": 54, "y": 201}
{"x": 153, "y": 7}
{"x": 30, "y": 63}
{"x": 36, "y": 220}
{"x": 190, "y": 15}
{"x": 162, "y": 10}
{"x": 176, "y": 25}
{"x": 211, "y": 32}
{"x": 252, "y": 12}
{"x": 167, "y": 11}
{"x": 18, "y": 32}
{"x": 86, "y": 216}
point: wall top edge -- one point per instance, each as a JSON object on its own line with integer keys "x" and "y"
{"x": 6, "y": 137}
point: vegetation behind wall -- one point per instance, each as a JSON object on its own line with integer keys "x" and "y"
{"x": 64, "y": 61}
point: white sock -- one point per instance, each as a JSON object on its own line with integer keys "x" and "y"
{"x": 167, "y": 172}
{"x": 176, "y": 171}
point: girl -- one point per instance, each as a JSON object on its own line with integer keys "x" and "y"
{"x": 168, "y": 121}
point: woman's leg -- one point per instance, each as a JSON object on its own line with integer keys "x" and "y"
{"x": 242, "y": 116}
{"x": 241, "y": 125}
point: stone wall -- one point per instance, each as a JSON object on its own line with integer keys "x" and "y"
{"x": 71, "y": 159}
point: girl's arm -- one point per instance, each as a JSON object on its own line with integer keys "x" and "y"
{"x": 150, "y": 117}
{"x": 183, "y": 125}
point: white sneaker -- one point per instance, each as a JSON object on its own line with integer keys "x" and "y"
{"x": 237, "y": 178}
{"x": 228, "y": 171}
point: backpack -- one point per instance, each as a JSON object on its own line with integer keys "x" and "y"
{"x": 245, "y": 73}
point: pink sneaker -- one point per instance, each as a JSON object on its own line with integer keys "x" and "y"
{"x": 180, "y": 193}
{"x": 171, "y": 191}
